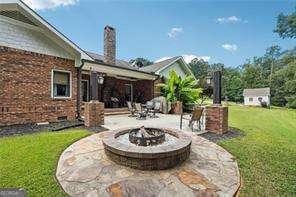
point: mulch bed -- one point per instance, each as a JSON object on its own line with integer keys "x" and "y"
{"x": 231, "y": 133}
{"x": 34, "y": 128}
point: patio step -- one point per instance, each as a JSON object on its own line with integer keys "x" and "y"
{"x": 116, "y": 111}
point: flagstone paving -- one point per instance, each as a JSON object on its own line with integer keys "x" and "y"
{"x": 84, "y": 170}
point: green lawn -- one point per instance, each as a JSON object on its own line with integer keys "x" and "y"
{"x": 30, "y": 161}
{"x": 267, "y": 154}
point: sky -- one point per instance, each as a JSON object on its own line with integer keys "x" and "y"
{"x": 217, "y": 31}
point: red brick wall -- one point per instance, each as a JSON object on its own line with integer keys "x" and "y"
{"x": 216, "y": 119}
{"x": 25, "y": 93}
{"x": 93, "y": 114}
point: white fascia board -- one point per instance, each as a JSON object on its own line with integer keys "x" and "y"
{"x": 187, "y": 68}
{"x": 40, "y": 21}
{"x": 159, "y": 71}
{"x": 117, "y": 71}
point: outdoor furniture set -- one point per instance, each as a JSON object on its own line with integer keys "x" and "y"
{"x": 141, "y": 111}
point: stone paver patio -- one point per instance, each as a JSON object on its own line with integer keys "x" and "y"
{"x": 84, "y": 170}
{"x": 164, "y": 121}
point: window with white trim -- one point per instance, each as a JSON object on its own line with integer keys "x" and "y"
{"x": 250, "y": 99}
{"x": 61, "y": 84}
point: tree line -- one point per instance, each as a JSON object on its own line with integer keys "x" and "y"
{"x": 275, "y": 69}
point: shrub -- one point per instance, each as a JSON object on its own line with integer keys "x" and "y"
{"x": 177, "y": 89}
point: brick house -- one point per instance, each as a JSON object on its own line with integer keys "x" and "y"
{"x": 45, "y": 77}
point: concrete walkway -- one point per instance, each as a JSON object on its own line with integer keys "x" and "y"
{"x": 164, "y": 121}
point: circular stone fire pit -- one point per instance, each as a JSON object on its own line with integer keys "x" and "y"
{"x": 146, "y": 136}
{"x": 85, "y": 170}
{"x": 147, "y": 148}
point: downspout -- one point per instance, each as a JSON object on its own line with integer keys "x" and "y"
{"x": 78, "y": 99}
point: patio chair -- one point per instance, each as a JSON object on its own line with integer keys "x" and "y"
{"x": 131, "y": 109}
{"x": 196, "y": 117}
{"x": 157, "y": 107}
{"x": 139, "y": 111}
{"x": 149, "y": 108}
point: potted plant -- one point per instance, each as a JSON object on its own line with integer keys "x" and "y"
{"x": 180, "y": 91}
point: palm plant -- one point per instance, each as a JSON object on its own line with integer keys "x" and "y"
{"x": 178, "y": 89}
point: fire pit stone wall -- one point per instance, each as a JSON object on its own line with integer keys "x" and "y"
{"x": 157, "y": 157}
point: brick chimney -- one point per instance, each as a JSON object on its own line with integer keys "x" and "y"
{"x": 109, "y": 45}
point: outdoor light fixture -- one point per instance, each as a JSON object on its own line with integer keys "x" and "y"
{"x": 100, "y": 79}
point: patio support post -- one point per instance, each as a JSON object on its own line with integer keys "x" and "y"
{"x": 94, "y": 110}
{"x": 217, "y": 88}
{"x": 78, "y": 105}
{"x": 94, "y": 86}
{"x": 216, "y": 115}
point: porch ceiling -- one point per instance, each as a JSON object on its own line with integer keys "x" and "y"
{"x": 116, "y": 71}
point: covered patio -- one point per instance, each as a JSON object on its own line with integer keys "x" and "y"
{"x": 114, "y": 85}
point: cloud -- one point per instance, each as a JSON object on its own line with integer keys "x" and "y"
{"x": 230, "y": 19}
{"x": 175, "y": 31}
{"x": 49, "y": 4}
{"x": 187, "y": 58}
{"x": 230, "y": 47}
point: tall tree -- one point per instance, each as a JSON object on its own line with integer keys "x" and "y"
{"x": 284, "y": 84}
{"x": 140, "y": 62}
{"x": 286, "y": 25}
{"x": 271, "y": 56}
{"x": 252, "y": 76}
{"x": 200, "y": 69}
{"x": 232, "y": 85}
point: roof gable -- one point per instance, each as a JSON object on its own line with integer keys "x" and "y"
{"x": 257, "y": 92}
{"x": 27, "y": 15}
{"x": 156, "y": 67}
{"x": 162, "y": 65}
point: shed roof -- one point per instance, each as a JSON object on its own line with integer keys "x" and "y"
{"x": 257, "y": 92}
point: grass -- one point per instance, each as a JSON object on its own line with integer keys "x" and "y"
{"x": 30, "y": 161}
{"x": 267, "y": 154}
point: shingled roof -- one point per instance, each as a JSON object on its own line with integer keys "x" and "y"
{"x": 159, "y": 65}
{"x": 119, "y": 63}
{"x": 257, "y": 92}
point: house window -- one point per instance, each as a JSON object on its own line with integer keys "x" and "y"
{"x": 84, "y": 91}
{"x": 61, "y": 84}
{"x": 250, "y": 99}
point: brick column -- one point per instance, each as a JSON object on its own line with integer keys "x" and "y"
{"x": 93, "y": 114}
{"x": 216, "y": 119}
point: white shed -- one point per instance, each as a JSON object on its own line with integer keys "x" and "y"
{"x": 256, "y": 95}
